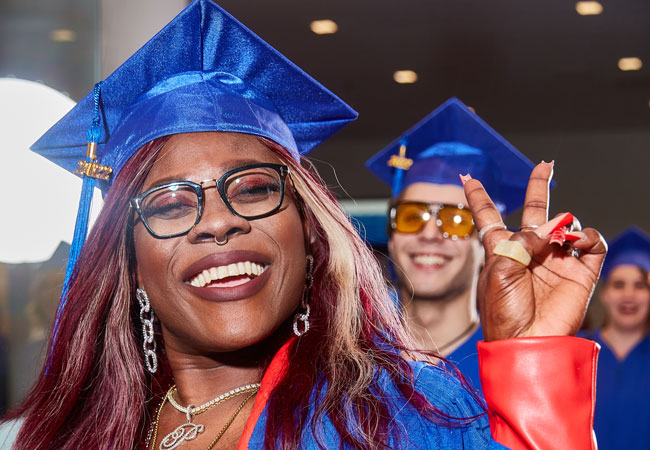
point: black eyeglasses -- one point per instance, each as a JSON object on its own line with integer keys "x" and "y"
{"x": 251, "y": 192}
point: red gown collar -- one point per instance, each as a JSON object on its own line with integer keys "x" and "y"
{"x": 273, "y": 375}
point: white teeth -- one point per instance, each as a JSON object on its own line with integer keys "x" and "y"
{"x": 428, "y": 260}
{"x": 222, "y": 272}
{"x": 231, "y": 270}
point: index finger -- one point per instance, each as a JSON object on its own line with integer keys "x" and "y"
{"x": 535, "y": 211}
{"x": 484, "y": 211}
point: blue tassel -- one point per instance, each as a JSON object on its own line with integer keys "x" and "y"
{"x": 398, "y": 176}
{"x": 398, "y": 172}
{"x": 80, "y": 232}
{"x": 81, "y": 224}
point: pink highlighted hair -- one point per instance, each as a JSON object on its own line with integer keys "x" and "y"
{"x": 97, "y": 394}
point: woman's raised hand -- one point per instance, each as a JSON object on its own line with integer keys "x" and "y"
{"x": 537, "y": 281}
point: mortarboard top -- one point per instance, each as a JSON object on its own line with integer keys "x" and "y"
{"x": 631, "y": 247}
{"x": 453, "y": 140}
{"x": 204, "y": 71}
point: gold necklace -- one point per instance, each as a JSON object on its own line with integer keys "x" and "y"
{"x": 230, "y": 421}
{"x": 176, "y": 437}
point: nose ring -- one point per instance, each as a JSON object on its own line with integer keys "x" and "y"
{"x": 224, "y": 242}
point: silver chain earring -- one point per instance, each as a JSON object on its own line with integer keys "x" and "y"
{"x": 303, "y": 317}
{"x": 148, "y": 343}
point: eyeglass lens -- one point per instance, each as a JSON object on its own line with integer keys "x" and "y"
{"x": 451, "y": 220}
{"x": 174, "y": 209}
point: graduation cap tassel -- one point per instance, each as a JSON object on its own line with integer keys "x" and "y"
{"x": 401, "y": 164}
{"x": 91, "y": 171}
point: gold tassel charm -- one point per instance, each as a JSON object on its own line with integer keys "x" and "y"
{"x": 92, "y": 168}
{"x": 400, "y": 161}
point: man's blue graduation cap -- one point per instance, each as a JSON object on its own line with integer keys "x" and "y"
{"x": 631, "y": 247}
{"x": 453, "y": 140}
{"x": 204, "y": 71}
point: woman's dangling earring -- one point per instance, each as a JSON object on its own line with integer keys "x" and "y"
{"x": 303, "y": 317}
{"x": 149, "y": 342}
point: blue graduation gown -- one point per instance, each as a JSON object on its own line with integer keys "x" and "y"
{"x": 622, "y": 416}
{"x": 465, "y": 358}
{"x": 442, "y": 389}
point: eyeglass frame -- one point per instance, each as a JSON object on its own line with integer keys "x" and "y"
{"x": 392, "y": 214}
{"x": 199, "y": 188}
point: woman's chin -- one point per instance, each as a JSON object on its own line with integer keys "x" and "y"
{"x": 247, "y": 339}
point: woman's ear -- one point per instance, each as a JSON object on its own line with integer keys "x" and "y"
{"x": 308, "y": 234}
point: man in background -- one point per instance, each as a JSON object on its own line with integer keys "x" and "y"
{"x": 432, "y": 240}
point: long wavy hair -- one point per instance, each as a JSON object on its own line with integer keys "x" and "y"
{"x": 95, "y": 392}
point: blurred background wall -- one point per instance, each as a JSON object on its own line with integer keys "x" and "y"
{"x": 561, "y": 80}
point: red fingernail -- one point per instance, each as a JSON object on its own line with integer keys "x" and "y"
{"x": 464, "y": 178}
{"x": 549, "y": 227}
{"x": 563, "y": 221}
{"x": 558, "y": 237}
{"x": 573, "y": 236}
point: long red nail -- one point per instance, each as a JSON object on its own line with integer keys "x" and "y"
{"x": 561, "y": 221}
{"x": 573, "y": 236}
{"x": 565, "y": 220}
{"x": 464, "y": 178}
{"x": 558, "y": 237}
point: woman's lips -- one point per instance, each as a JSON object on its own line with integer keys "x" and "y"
{"x": 225, "y": 275}
{"x": 628, "y": 309}
{"x": 228, "y": 276}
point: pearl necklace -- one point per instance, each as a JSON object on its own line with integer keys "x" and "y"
{"x": 193, "y": 411}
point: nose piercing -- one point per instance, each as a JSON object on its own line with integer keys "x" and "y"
{"x": 224, "y": 242}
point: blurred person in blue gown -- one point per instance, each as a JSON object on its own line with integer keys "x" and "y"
{"x": 432, "y": 238}
{"x": 622, "y": 416}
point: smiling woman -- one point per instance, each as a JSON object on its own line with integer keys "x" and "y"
{"x": 223, "y": 300}
{"x": 623, "y": 393}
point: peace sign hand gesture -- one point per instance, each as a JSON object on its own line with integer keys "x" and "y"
{"x": 547, "y": 296}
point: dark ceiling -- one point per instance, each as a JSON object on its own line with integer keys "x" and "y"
{"x": 527, "y": 66}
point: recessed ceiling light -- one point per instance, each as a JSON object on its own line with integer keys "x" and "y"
{"x": 405, "y": 76}
{"x": 632, "y": 63}
{"x": 63, "y": 35}
{"x": 325, "y": 26}
{"x": 589, "y": 8}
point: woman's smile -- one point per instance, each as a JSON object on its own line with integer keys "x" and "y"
{"x": 228, "y": 276}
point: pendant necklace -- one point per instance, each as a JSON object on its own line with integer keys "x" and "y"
{"x": 189, "y": 431}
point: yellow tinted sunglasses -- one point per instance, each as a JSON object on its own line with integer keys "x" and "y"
{"x": 453, "y": 221}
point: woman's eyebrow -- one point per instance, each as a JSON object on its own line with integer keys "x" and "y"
{"x": 230, "y": 165}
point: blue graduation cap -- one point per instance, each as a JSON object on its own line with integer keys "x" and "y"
{"x": 631, "y": 247}
{"x": 453, "y": 140}
{"x": 204, "y": 71}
